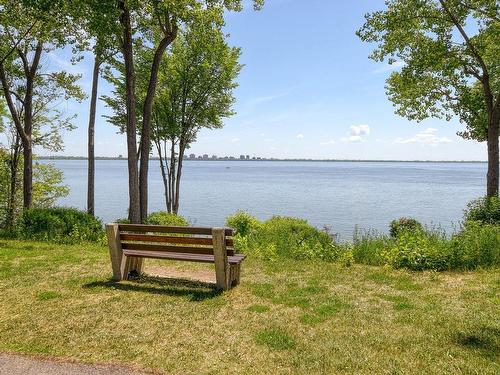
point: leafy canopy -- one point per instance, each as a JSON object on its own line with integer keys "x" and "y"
{"x": 196, "y": 84}
{"x": 450, "y": 53}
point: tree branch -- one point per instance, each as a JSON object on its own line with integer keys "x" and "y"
{"x": 14, "y": 47}
{"x": 12, "y": 108}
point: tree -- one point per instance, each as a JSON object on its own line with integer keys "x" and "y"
{"x": 98, "y": 22}
{"x": 153, "y": 25}
{"x": 196, "y": 84}
{"x": 29, "y": 92}
{"x": 47, "y": 181}
{"x": 450, "y": 50}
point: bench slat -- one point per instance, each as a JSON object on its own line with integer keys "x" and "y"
{"x": 170, "y": 239}
{"x": 171, "y": 248}
{"x": 169, "y": 229}
{"x": 201, "y": 258}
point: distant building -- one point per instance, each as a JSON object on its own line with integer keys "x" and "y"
{"x": 200, "y": 157}
{"x": 214, "y": 157}
{"x": 192, "y": 156}
{"x": 248, "y": 157}
{"x": 205, "y": 156}
{"x": 232, "y": 158}
{"x": 242, "y": 157}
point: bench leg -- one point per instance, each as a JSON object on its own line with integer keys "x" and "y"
{"x": 131, "y": 264}
{"x": 220, "y": 259}
{"x": 234, "y": 274}
{"x": 115, "y": 251}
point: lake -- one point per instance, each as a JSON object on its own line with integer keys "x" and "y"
{"x": 341, "y": 195}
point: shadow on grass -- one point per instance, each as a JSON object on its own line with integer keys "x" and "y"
{"x": 194, "y": 290}
{"x": 485, "y": 339}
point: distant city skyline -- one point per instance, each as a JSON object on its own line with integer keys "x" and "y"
{"x": 307, "y": 91}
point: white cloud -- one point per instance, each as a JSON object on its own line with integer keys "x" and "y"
{"x": 357, "y": 133}
{"x": 328, "y": 143}
{"x": 235, "y": 140}
{"x": 300, "y": 136}
{"x": 427, "y": 136}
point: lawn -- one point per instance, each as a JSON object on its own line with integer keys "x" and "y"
{"x": 286, "y": 317}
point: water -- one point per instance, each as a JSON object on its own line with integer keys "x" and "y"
{"x": 338, "y": 194}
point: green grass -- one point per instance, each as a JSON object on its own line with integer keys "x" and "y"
{"x": 286, "y": 317}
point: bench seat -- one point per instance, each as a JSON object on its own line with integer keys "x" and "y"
{"x": 201, "y": 258}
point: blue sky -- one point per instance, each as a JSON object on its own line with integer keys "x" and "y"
{"x": 308, "y": 90}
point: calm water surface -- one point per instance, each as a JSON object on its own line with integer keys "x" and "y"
{"x": 338, "y": 194}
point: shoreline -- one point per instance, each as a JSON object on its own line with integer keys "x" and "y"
{"x": 279, "y": 160}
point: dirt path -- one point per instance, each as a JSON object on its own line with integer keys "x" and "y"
{"x": 15, "y": 364}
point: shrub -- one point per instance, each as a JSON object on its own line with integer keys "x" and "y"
{"x": 478, "y": 244}
{"x": 281, "y": 236}
{"x": 243, "y": 223}
{"x": 417, "y": 250}
{"x": 165, "y": 218}
{"x": 485, "y": 210}
{"x": 368, "y": 247}
{"x": 122, "y": 221}
{"x": 404, "y": 224}
{"x": 60, "y": 224}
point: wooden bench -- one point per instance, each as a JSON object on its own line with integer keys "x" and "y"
{"x": 129, "y": 244}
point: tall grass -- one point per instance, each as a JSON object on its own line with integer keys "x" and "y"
{"x": 411, "y": 245}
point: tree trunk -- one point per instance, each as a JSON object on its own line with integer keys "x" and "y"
{"x": 146, "y": 124}
{"x": 91, "y": 132}
{"x": 133, "y": 176}
{"x": 28, "y": 147}
{"x": 493, "y": 154}
{"x": 14, "y": 165}
{"x": 27, "y": 176}
{"x": 182, "y": 149}
{"x": 171, "y": 177}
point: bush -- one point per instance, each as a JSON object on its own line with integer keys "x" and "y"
{"x": 404, "y": 224}
{"x": 281, "y": 237}
{"x": 418, "y": 250}
{"x": 477, "y": 245}
{"x": 60, "y": 224}
{"x": 122, "y": 221}
{"x": 165, "y": 218}
{"x": 485, "y": 210}
{"x": 368, "y": 247}
{"x": 243, "y": 223}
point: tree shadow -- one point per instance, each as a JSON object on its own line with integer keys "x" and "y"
{"x": 194, "y": 290}
{"x": 485, "y": 339}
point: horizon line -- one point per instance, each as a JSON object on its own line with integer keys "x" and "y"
{"x": 58, "y": 157}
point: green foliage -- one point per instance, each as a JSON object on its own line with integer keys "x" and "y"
{"x": 418, "y": 250}
{"x": 165, "y": 218}
{"x": 60, "y": 224}
{"x": 485, "y": 210}
{"x": 281, "y": 237}
{"x": 445, "y": 49}
{"x": 243, "y": 223}
{"x": 477, "y": 245}
{"x": 404, "y": 224}
{"x": 122, "y": 221}
{"x": 47, "y": 187}
{"x": 368, "y": 247}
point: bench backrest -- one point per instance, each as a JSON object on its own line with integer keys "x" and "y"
{"x": 194, "y": 240}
